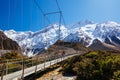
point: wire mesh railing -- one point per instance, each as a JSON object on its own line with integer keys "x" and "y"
{"x": 14, "y": 65}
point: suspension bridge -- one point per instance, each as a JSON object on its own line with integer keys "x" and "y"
{"x": 26, "y": 67}
{"x": 16, "y": 69}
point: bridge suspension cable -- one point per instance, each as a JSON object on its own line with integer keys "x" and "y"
{"x": 61, "y": 12}
{"x": 41, "y": 11}
{"x": 57, "y": 12}
{"x": 9, "y": 6}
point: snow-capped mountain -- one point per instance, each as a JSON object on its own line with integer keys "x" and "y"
{"x": 35, "y": 42}
{"x": 106, "y": 29}
{"x": 107, "y": 32}
{"x": 85, "y": 32}
{"x": 78, "y": 36}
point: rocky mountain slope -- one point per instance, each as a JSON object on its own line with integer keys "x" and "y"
{"x": 98, "y": 45}
{"x": 7, "y": 43}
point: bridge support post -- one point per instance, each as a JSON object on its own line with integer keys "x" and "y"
{"x": 36, "y": 66}
{"x": 23, "y": 67}
{"x": 2, "y": 71}
{"x": 61, "y": 58}
{"x": 44, "y": 62}
{"x": 32, "y": 61}
{"x": 50, "y": 62}
{"x": 57, "y": 59}
{"x": 6, "y": 67}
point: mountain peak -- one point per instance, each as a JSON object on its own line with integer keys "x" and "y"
{"x": 80, "y": 24}
{"x": 85, "y": 22}
{"x": 109, "y": 24}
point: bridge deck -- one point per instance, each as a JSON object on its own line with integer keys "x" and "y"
{"x": 31, "y": 70}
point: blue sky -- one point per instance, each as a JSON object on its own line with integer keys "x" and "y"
{"x": 24, "y": 15}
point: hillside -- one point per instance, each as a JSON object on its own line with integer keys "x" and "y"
{"x": 75, "y": 45}
{"x": 7, "y": 43}
{"x": 68, "y": 47}
{"x": 95, "y": 65}
{"x": 98, "y": 45}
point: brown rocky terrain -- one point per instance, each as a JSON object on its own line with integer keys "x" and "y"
{"x": 7, "y": 44}
{"x": 98, "y": 45}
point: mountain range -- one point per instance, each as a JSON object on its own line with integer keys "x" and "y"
{"x": 90, "y": 34}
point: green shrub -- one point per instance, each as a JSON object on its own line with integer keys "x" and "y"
{"x": 116, "y": 75}
{"x": 96, "y": 65}
{"x": 92, "y": 54}
{"x": 11, "y": 55}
